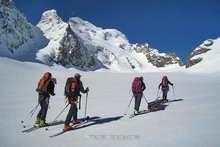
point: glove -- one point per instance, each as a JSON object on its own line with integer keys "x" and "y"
{"x": 37, "y": 90}
{"x": 73, "y": 101}
{"x": 53, "y": 94}
{"x": 87, "y": 89}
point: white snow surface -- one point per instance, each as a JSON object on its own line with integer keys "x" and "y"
{"x": 192, "y": 121}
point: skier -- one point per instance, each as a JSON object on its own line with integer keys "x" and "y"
{"x": 138, "y": 86}
{"x": 165, "y": 87}
{"x": 45, "y": 89}
{"x": 72, "y": 91}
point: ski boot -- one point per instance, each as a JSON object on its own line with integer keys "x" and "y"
{"x": 42, "y": 123}
{"x": 37, "y": 122}
{"x": 136, "y": 112}
{"x": 67, "y": 128}
{"x": 164, "y": 101}
{"x": 76, "y": 122}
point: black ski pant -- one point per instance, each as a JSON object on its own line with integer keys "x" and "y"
{"x": 137, "y": 97}
{"x": 71, "y": 114}
{"x": 165, "y": 91}
{"x": 43, "y": 111}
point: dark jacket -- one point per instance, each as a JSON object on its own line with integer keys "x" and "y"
{"x": 143, "y": 87}
{"x": 46, "y": 93}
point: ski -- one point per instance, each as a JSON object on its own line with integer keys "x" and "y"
{"x": 36, "y": 127}
{"x": 73, "y": 127}
{"x": 174, "y": 100}
{"x": 140, "y": 113}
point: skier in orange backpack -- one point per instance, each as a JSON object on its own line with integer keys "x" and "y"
{"x": 45, "y": 89}
{"x": 165, "y": 87}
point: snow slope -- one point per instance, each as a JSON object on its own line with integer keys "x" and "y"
{"x": 210, "y": 59}
{"x": 192, "y": 121}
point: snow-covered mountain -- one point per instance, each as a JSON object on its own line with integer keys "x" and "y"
{"x": 81, "y": 44}
{"x": 19, "y": 39}
{"x": 155, "y": 58}
{"x": 205, "y": 57}
{"x": 64, "y": 47}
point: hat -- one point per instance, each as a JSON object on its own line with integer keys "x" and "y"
{"x": 77, "y": 75}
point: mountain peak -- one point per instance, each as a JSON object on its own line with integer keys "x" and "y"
{"x": 52, "y": 25}
{"x": 50, "y": 16}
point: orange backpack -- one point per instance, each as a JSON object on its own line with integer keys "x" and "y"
{"x": 44, "y": 81}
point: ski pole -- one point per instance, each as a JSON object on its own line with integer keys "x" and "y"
{"x": 145, "y": 99}
{"x": 61, "y": 112}
{"x": 59, "y": 115}
{"x": 33, "y": 110}
{"x": 173, "y": 91}
{"x": 158, "y": 93}
{"x": 31, "y": 113}
{"x": 130, "y": 101}
{"x": 86, "y": 104}
{"x": 79, "y": 102}
{"x": 125, "y": 113}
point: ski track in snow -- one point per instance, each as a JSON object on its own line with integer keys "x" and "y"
{"x": 194, "y": 121}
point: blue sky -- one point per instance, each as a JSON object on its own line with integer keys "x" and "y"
{"x": 168, "y": 25}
